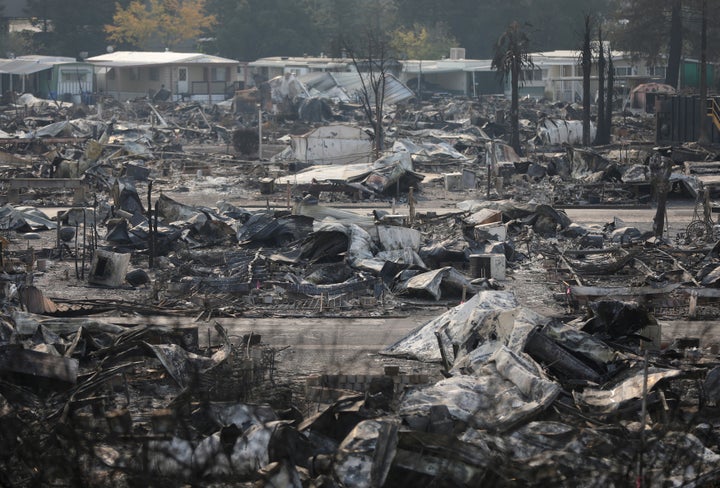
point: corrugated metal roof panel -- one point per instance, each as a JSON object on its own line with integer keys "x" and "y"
{"x": 27, "y": 65}
{"x": 351, "y": 84}
{"x": 321, "y": 82}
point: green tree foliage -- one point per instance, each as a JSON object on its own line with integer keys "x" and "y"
{"x": 342, "y": 23}
{"x": 159, "y": 23}
{"x": 13, "y": 43}
{"x": 337, "y": 23}
{"x": 644, "y": 27}
{"x": 512, "y": 56}
{"x": 557, "y": 24}
{"x": 3, "y": 29}
{"x": 420, "y": 42}
{"x": 251, "y": 29}
{"x": 70, "y": 27}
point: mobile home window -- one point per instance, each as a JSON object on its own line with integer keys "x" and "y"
{"x": 73, "y": 76}
{"x": 532, "y": 74}
{"x": 623, "y": 71}
{"x": 657, "y": 71}
{"x": 218, "y": 74}
{"x": 154, "y": 74}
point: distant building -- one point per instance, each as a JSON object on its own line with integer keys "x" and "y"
{"x": 272, "y": 67}
{"x": 455, "y": 75}
{"x": 557, "y": 75}
{"x": 49, "y": 77}
{"x": 135, "y": 74}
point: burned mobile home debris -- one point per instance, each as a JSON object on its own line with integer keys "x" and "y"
{"x": 546, "y": 347}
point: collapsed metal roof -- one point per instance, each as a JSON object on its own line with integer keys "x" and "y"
{"x": 306, "y": 62}
{"x": 348, "y": 85}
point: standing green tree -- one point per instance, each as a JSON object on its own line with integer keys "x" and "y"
{"x": 252, "y": 29}
{"x": 663, "y": 31}
{"x": 652, "y": 29}
{"x": 3, "y": 28}
{"x": 70, "y": 27}
{"x": 333, "y": 21}
{"x": 642, "y": 27}
{"x": 476, "y": 25}
{"x": 159, "y": 23}
{"x": 512, "y": 55}
{"x": 422, "y": 42}
{"x": 340, "y": 23}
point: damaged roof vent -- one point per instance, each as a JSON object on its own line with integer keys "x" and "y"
{"x": 457, "y": 53}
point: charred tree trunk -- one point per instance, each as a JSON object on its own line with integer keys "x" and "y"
{"x": 661, "y": 168}
{"x": 672, "y": 74}
{"x": 601, "y": 137}
{"x": 379, "y": 109}
{"x": 704, "y": 136}
{"x": 609, "y": 99}
{"x": 586, "y": 67}
{"x": 372, "y": 92}
{"x": 515, "y": 107}
{"x": 511, "y": 57}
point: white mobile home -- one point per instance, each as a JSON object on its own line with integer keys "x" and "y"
{"x": 135, "y": 74}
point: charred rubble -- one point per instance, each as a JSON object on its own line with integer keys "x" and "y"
{"x": 549, "y": 366}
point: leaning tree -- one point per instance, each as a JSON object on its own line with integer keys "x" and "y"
{"x": 512, "y": 56}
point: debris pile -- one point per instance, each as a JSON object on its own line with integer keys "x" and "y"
{"x": 526, "y": 397}
{"x": 550, "y": 365}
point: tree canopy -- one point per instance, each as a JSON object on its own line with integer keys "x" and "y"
{"x": 249, "y": 29}
{"x": 70, "y": 27}
{"x": 421, "y": 42}
{"x": 159, "y": 23}
{"x": 644, "y": 27}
